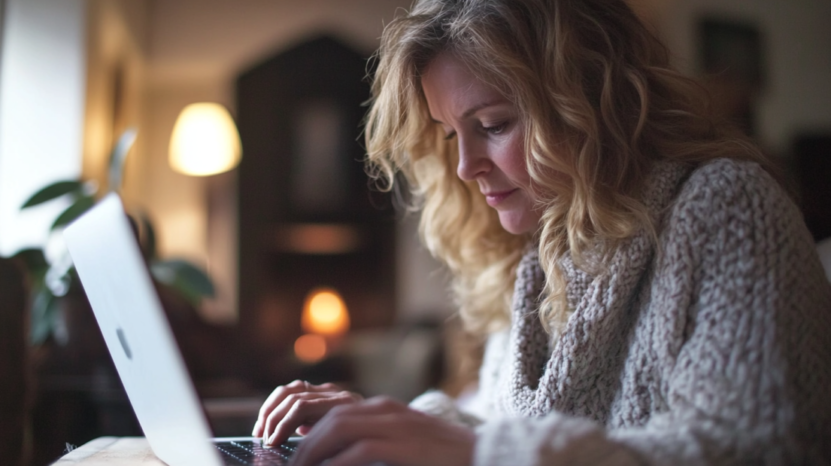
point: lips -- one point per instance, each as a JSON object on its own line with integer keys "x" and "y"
{"x": 495, "y": 198}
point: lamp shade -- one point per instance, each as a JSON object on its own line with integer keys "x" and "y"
{"x": 205, "y": 141}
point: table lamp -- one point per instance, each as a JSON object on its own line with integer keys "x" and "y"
{"x": 205, "y": 141}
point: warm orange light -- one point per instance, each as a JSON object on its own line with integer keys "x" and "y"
{"x": 320, "y": 239}
{"x": 310, "y": 348}
{"x": 325, "y": 313}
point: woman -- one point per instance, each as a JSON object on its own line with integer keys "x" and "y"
{"x": 648, "y": 291}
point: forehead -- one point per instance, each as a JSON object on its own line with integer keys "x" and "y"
{"x": 453, "y": 90}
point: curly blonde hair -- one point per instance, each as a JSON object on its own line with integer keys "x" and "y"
{"x": 600, "y": 104}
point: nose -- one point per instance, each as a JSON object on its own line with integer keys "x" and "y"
{"x": 473, "y": 161}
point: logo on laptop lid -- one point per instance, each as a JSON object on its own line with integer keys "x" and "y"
{"x": 123, "y": 339}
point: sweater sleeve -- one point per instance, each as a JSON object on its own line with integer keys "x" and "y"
{"x": 749, "y": 381}
{"x": 437, "y": 403}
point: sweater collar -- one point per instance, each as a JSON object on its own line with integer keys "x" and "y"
{"x": 579, "y": 375}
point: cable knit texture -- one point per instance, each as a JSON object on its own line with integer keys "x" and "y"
{"x": 710, "y": 347}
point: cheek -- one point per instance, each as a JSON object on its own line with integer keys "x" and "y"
{"x": 514, "y": 164}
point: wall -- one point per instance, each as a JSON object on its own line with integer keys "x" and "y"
{"x": 116, "y": 50}
{"x": 797, "y": 41}
{"x": 179, "y": 204}
{"x": 41, "y": 111}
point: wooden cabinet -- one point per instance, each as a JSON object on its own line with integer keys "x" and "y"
{"x": 307, "y": 214}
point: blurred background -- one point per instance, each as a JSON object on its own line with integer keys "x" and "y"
{"x": 313, "y": 274}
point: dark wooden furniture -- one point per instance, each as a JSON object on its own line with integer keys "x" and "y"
{"x": 307, "y": 214}
{"x": 12, "y": 361}
{"x": 812, "y": 155}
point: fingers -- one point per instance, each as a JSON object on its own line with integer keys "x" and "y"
{"x": 333, "y": 436}
{"x": 302, "y": 409}
{"x": 382, "y": 430}
{"x": 280, "y": 393}
{"x": 351, "y": 427}
{"x": 274, "y": 399}
{"x": 368, "y": 452}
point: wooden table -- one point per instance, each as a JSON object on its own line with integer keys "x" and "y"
{"x": 112, "y": 451}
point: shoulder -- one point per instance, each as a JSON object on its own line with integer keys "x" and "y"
{"x": 729, "y": 180}
{"x": 727, "y": 196}
{"x": 733, "y": 226}
{"x": 732, "y": 229}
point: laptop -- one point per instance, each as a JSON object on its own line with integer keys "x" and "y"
{"x": 128, "y": 310}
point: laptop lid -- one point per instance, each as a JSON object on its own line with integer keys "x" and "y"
{"x": 135, "y": 328}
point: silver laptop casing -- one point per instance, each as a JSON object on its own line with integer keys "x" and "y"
{"x": 135, "y": 328}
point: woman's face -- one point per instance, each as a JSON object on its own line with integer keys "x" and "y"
{"x": 487, "y": 128}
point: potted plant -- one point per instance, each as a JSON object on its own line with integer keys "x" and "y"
{"x": 75, "y": 393}
{"x": 50, "y": 269}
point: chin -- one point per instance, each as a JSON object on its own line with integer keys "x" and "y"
{"x": 517, "y": 226}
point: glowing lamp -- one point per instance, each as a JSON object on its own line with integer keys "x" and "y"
{"x": 205, "y": 141}
{"x": 325, "y": 313}
{"x": 310, "y": 348}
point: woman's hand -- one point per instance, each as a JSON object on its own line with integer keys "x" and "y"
{"x": 383, "y": 430}
{"x": 297, "y": 407}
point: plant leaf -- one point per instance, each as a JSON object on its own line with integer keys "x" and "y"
{"x": 33, "y": 259}
{"x": 44, "y": 310}
{"x": 53, "y": 191}
{"x": 149, "y": 239}
{"x": 81, "y": 205}
{"x": 118, "y": 156}
{"x": 187, "y": 279}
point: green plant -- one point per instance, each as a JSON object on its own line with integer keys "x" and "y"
{"x": 51, "y": 271}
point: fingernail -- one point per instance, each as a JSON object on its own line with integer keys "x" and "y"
{"x": 272, "y": 439}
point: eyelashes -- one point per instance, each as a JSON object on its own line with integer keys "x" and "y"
{"x": 494, "y": 130}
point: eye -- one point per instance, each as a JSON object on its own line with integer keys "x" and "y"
{"x": 495, "y": 129}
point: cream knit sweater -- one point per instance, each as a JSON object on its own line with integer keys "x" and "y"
{"x": 710, "y": 348}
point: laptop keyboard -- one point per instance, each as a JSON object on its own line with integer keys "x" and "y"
{"x": 252, "y": 453}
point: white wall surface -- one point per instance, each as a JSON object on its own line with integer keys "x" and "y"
{"x": 797, "y": 43}
{"x": 42, "y": 73}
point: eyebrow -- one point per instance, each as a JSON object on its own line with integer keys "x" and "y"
{"x": 472, "y": 110}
